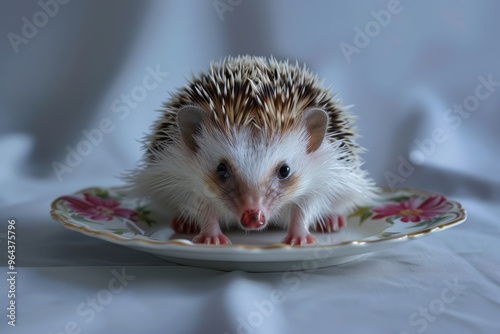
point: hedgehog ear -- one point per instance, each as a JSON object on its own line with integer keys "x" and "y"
{"x": 189, "y": 120}
{"x": 316, "y": 121}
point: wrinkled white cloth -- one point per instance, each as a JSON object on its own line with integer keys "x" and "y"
{"x": 425, "y": 82}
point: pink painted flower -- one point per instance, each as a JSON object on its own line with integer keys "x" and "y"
{"x": 98, "y": 208}
{"x": 415, "y": 209}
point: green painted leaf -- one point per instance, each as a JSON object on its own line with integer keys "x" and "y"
{"x": 360, "y": 211}
{"x": 364, "y": 217}
{"x": 438, "y": 219}
{"x": 390, "y": 220}
{"x": 143, "y": 215}
{"x": 387, "y": 234}
{"x": 102, "y": 193}
{"x": 400, "y": 198}
{"x": 424, "y": 223}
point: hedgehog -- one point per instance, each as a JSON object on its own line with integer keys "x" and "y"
{"x": 251, "y": 143}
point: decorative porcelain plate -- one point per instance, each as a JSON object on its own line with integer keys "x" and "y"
{"x": 398, "y": 216}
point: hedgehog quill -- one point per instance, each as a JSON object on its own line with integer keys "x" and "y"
{"x": 254, "y": 142}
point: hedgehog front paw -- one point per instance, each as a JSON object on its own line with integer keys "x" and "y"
{"x": 301, "y": 239}
{"x": 330, "y": 224}
{"x": 181, "y": 225}
{"x": 212, "y": 239}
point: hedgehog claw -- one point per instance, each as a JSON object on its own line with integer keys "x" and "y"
{"x": 211, "y": 239}
{"x": 330, "y": 224}
{"x": 299, "y": 240}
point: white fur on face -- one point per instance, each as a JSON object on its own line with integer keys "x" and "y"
{"x": 254, "y": 162}
{"x": 327, "y": 184}
{"x": 254, "y": 158}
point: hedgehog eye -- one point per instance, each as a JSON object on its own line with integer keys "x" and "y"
{"x": 222, "y": 172}
{"x": 284, "y": 172}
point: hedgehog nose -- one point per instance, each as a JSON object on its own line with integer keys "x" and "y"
{"x": 253, "y": 219}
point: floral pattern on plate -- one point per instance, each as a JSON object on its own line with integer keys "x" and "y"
{"x": 111, "y": 214}
{"x": 109, "y": 208}
{"x": 417, "y": 211}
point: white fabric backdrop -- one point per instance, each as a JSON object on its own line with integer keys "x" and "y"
{"x": 77, "y": 67}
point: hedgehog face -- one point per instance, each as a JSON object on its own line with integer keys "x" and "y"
{"x": 252, "y": 175}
